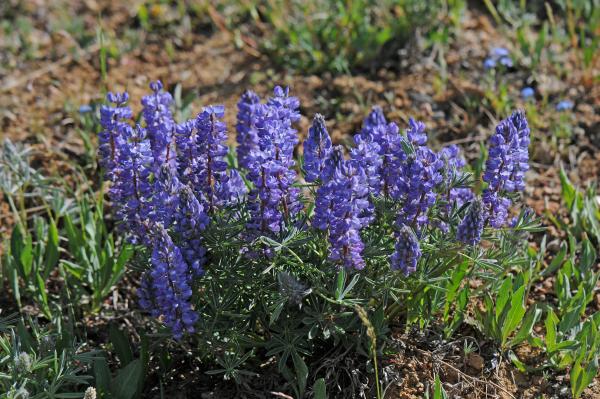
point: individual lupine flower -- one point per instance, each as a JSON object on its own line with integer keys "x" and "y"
{"x": 470, "y": 228}
{"x": 317, "y": 149}
{"x": 114, "y": 121}
{"x": 346, "y": 247}
{"x": 452, "y": 159}
{"x": 211, "y": 167}
{"x": 131, "y": 190}
{"x": 489, "y": 63}
{"x": 159, "y": 122}
{"x": 192, "y": 220}
{"x": 351, "y": 212}
{"x": 499, "y": 165}
{"x": 247, "y": 132}
{"x": 415, "y": 177}
{"x": 170, "y": 282}
{"x": 407, "y": 251}
{"x": 392, "y": 157}
{"x": 416, "y": 132}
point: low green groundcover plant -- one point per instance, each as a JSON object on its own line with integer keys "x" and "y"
{"x": 300, "y": 259}
{"x": 338, "y": 36}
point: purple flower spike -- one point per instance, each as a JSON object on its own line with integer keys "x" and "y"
{"x": 247, "y": 132}
{"x": 317, "y": 149}
{"x": 470, "y": 228}
{"x": 342, "y": 207}
{"x": 166, "y": 290}
{"x": 211, "y": 167}
{"x": 131, "y": 187}
{"x": 159, "y": 123}
{"x": 453, "y": 165}
{"x": 192, "y": 220}
{"x": 507, "y": 163}
{"x": 116, "y": 130}
{"x": 273, "y": 199}
{"x": 407, "y": 251}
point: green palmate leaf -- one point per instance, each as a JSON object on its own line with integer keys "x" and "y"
{"x": 349, "y": 287}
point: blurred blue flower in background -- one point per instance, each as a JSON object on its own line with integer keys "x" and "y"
{"x": 498, "y": 55}
{"x": 527, "y": 93}
{"x": 564, "y": 105}
{"x": 84, "y": 109}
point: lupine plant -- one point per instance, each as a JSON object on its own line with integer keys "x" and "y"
{"x": 273, "y": 256}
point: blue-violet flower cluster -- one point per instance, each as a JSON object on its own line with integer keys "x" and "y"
{"x": 170, "y": 182}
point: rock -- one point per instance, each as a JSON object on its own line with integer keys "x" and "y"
{"x": 475, "y": 361}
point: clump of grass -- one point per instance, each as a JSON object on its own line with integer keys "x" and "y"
{"x": 337, "y": 36}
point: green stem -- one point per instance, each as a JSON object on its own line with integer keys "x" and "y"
{"x": 376, "y": 371}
